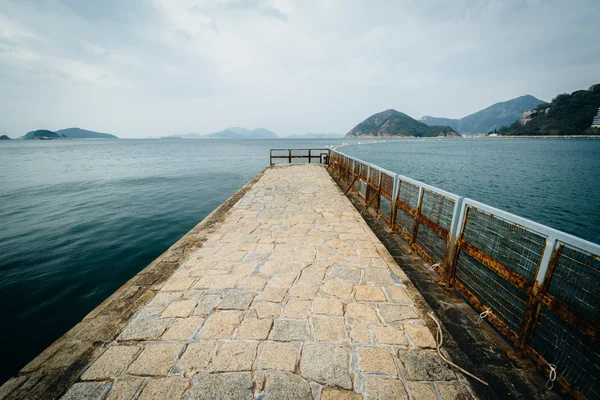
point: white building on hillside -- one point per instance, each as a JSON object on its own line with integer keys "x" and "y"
{"x": 596, "y": 121}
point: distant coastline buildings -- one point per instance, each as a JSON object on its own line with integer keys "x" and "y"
{"x": 596, "y": 121}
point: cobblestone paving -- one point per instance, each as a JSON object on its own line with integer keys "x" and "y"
{"x": 293, "y": 297}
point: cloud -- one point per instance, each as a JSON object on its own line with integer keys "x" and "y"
{"x": 150, "y": 68}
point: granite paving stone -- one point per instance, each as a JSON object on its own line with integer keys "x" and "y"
{"x": 326, "y": 364}
{"x": 155, "y": 360}
{"x": 125, "y": 388}
{"x": 377, "y": 360}
{"x": 171, "y": 387}
{"x": 277, "y": 356}
{"x": 362, "y": 312}
{"x": 327, "y": 306}
{"x": 87, "y": 391}
{"x": 226, "y": 386}
{"x": 221, "y": 325}
{"x": 179, "y": 309}
{"x": 144, "y": 329}
{"x": 368, "y": 293}
{"x": 329, "y": 329}
{"x": 288, "y": 330}
{"x": 377, "y": 388}
{"x": 111, "y": 363}
{"x": 254, "y": 329}
{"x": 420, "y": 335}
{"x": 235, "y": 356}
{"x": 287, "y": 386}
{"x": 197, "y": 356}
{"x": 237, "y": 300}
{"x": 183, "y": 329}
{"x": 389, "y": 335}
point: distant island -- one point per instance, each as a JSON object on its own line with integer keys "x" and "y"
{"x": 567, "y": 115}
{"x": 392, "y": 123}
{"x": 43, "y": 134}
{"x": 493, "y": 117}
{"x": 77, "y": 133}
{"x": 4, "y": 137}
{"x": 70, "y": 133}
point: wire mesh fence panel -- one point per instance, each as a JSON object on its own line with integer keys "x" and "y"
{"x": 437, "y": 208}
{"x": 405, "y": 224}
{"x": 516, "y": 247}
{"x": 364, "y": 171}
{"x": 576, "y": 356}
{"x": 432, "y": 244}
{"x": 408, "y": 194}
{"x": 385, "y": 208}
{"x": 387, "y": 185}
{"x": 363, "y": 188}
{"x": 576, "y": 281}
{"x": 374, "y": 177}
{"x": 347, "y": 176}
{"x": 506, "y": 301}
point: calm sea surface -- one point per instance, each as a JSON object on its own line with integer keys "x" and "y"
{"x": 79, "y": 218}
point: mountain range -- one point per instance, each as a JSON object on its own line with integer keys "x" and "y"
{"x": 389, "y": 123}
{"x": 392, "y": 123}
{"x": 487, "y": 120}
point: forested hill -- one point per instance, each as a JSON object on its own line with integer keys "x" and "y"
{"x": 567, "y": 115}
{"x": 392, "y": 123}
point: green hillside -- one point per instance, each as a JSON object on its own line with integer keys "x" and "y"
{"x": 567, "y": 115}
{"x": 392, "y": 123}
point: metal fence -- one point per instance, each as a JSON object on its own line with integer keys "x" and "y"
{"x": 540, "y": 286}
{"x": 289, "y": 156}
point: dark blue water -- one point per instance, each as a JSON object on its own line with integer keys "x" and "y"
{"x": 554, "y": 182}
{"x": 79, "y": 218}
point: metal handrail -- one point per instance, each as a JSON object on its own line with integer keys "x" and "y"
{"x": 310, "y": 156}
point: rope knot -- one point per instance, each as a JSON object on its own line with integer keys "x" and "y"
{"x": 551, "y": 377}
{"x": 484, "y": 315}
{"x": 433, "y": 267}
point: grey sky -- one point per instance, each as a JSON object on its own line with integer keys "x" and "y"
{"x": 141, "y": 68}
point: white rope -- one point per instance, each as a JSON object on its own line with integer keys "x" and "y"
{"x": 440, "y": 342}
{"x": 433, "y": 267}
{"x": 484, "y": 315}
{"x": 551, "y": 377}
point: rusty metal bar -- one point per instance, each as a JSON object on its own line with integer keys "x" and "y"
{"x": 394, "y": 207}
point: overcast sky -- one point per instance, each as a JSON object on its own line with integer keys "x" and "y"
{"x": 139, "y": 68}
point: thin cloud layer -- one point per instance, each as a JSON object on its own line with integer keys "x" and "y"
{"x": 141, "y": 68}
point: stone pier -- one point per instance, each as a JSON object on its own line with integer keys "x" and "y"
{"x": 288, "y": 295}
